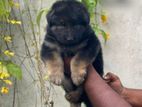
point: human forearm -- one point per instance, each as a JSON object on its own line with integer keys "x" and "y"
{"x": 100, "y": 94}
{"x": 133, "y": 96}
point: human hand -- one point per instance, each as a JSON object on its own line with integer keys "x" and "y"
{"x": 114, "y": 82}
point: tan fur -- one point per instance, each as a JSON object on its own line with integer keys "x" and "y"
{"x": 51, "y": 45}
{"x": 78, "y": 70}
{"x": 55, "y": 69}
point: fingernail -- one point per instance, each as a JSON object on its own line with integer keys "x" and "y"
{"x": 106, "y": 77}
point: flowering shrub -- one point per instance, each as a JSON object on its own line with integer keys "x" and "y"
{"x": 4, "y": 79}
{"x": 94, "y": 15}
{"x": 8, "y": 69}
{"x": 12, "y": 60}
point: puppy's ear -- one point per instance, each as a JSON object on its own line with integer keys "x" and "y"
{"x": 87, "y": 17}
{"x": 49, "y": 16}
{"x": 85, "y": 14}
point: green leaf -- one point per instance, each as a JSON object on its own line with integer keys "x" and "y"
{"x": 39, "y": 15}
{"x": 4, "y": 9}
{"x": 96, "y": 28}
{"x": 104, "y": 35}
{"x": 14, "y": 70}
{"x": 98, "y": 31}
{"x": 79, "y": 0}
{"x": 3, "y": 68}
{"x": 90, "y": 5}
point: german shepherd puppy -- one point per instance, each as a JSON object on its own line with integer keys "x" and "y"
{"x": 69, "y": 34}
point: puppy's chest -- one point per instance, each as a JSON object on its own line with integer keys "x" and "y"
{"x": 71, "y": 50}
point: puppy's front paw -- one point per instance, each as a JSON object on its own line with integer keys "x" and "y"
{"x": 56, "y": 75}
{"x": 78, "y": 75}
{"x": 78, "y": 71}
{"x": 56, "y": 78}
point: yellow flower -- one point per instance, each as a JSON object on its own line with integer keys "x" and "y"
{"x": 0, "y": 63}
{"x": 17, "y": 5}
{"x": 104, "y": 18}
{"x": 13, "y": 4}
{"x": 3, "y": 68}
{"x": 9, "y": 53}
{"x": 4, "y": 75}
{"x": 8, "y": 82}
{"x": 18, "y": 22}
{"x": 46, "y": 77}
{"x": 14, "y": 22}
{"x": 8, "y": 38}
{"x": 107, "y": 36}
{"x": 4, "y": 90}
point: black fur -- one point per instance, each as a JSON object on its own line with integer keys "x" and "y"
{"x": 69, "y": 33}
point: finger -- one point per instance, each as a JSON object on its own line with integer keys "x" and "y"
{"x": 106, "y": 78}
{"x": 107, "y": 81}
{"x": 110, "y": 77}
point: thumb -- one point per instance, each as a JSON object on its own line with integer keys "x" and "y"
{"x": 109, "y": 77}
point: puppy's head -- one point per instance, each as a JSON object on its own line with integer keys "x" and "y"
{"x": 67, "y": 21}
